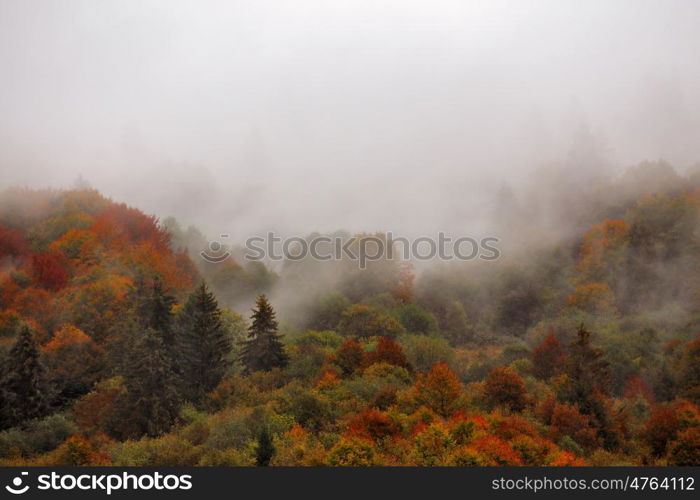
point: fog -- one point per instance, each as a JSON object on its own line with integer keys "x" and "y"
{"x": 247, "y": 116}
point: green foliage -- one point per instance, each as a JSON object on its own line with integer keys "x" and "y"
{"x": 366, "y": 321}
{"x": 425, "y": 352}
{"x": 415, "y": 319}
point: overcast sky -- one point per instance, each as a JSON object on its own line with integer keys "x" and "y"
{"x": 245, "y": 116}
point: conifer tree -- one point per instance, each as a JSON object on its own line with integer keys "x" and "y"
{"x": 586, "y": 369}
{"x": 263, "y": 350}
{"x": 151, "y": 402}
{"x": 153, "y": 305}
{"x": 24, "y": 385}
{"x": 265, "y": 449}
{"x": 203, "y": 343}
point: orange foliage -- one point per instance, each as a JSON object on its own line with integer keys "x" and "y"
{"x": 505, "y": 387}
{"x": 592, "y": 297}
{"x": 496, "y": 451}
{"x": 439, "y": 391}
{"x": 567, "y": 420}
{"x": 373, "y": 424}
{"x": 327, "y": 380}
{"x": 120, "y": 226}
{"x": 64, "y": 337}
{"x": 600, "y": 249}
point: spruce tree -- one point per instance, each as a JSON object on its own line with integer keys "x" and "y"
{"x": 24, "y": 385}
{"x": 588, "y": 379}
{"x": 204, "y": 346}
{"x": 265, "y": 449}
{"x": 153, "y": 306}
{"x": 587, "y": 371}
{"x": 263, "y": 350}
{"x": 151, "y": 402}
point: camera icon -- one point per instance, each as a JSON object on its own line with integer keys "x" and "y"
{"x": 16, "y": 487}
{"x": 216, "y": 253}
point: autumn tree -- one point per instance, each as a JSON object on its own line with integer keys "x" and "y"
{"x": 439, "y": 390}
{"x": 348, "y": 357}
{"x": 547, "y": 358}
{"x": 263, "y": 350}
{"x": 366, "y": 321}
{"x": 151, "y": 402}
{"x": 74, "y": 363}
{"x": 504, "y": 387}
{"x": 457, "y": 327}
{"x": 24, "y": 385}
{"x": 203, "y": 343}
{"x": 387, "y": 351}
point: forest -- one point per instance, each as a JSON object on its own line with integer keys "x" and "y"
{"x": 119, "y": 345}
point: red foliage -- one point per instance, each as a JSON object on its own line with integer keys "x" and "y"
{"x": 50, "y": 270}
{"x": 123, "y": 225}
{"x": 567, "y": 420}
{"x": 512, "y": 426}
{"x": 373, "y": 424}
{"x": 497, "y": 451}
{"x": 12, "y": 242}
{"x": 387, "y": 351}
{"x": 661, "y": 428}
{"x": 548, "y": 358}
{"x": 505, "y": 387}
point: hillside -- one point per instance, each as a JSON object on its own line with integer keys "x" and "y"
{"x": 119, "y": 346}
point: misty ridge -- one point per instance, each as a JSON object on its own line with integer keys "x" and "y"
{"x": 137, "y": 140}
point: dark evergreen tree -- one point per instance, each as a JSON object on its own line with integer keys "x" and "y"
{"x": 586, "y": 369}
{"x": 204, "y": 346}
{"x": 265, "y": 449}
{"x": 587, "y": 384}
{"x": 153, "y": 306}
{"x": 263, "y": 350}
{"x": 24, "y": 387}
{"x": 151, "y": 402}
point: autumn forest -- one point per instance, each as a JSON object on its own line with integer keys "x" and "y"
{"x": 120, "y": 345}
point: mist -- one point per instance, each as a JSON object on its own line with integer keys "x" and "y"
{"x": 244, "y": 117}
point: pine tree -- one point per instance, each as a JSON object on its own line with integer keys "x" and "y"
{"x": 151, "y": 402}
{"x": 586, "y": 369}
{"x": 153, "y": 307}
{"x": 587, "y": 382}
{"x": 263, "y": 350}
{"x": 265, "y": 449}
{"x": 24, "y": 385}
{"x": 204, "y": 347}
